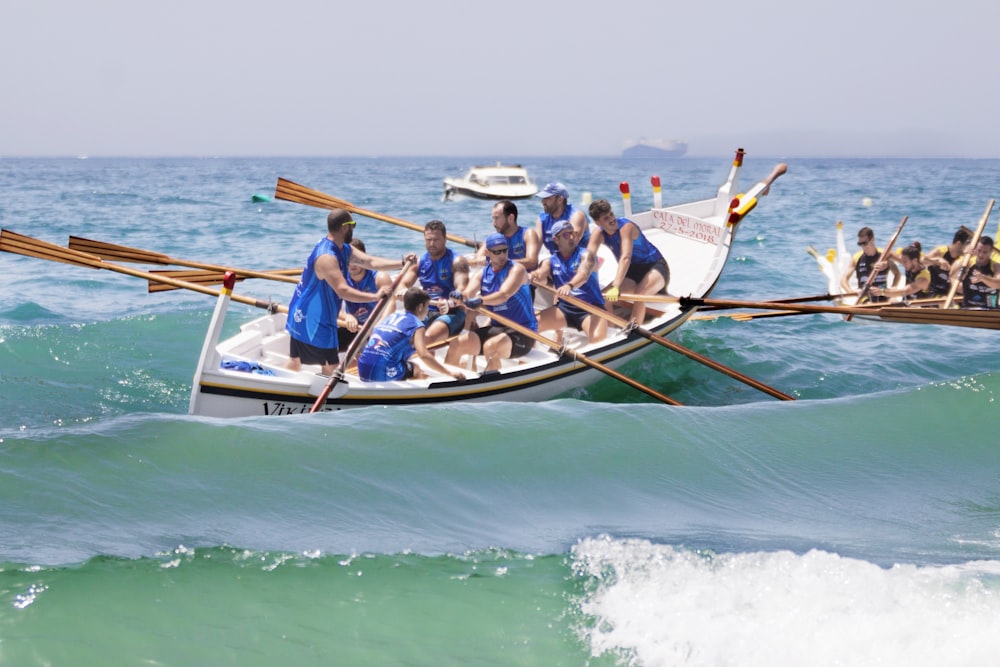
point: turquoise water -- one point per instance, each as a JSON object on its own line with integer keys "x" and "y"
{"x": 859, "y": 525}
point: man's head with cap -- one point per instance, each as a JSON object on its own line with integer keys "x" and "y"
{"x": 496, "y": 244}
{"x": 555, "y": 189}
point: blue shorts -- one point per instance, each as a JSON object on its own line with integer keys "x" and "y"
{"x": 574, "y": 316}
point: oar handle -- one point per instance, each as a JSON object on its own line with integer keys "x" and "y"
{"x": 576, "y": 356}
{"x": 360, "y": 338}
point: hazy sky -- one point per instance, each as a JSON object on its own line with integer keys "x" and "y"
{"x": 505, "y": 78}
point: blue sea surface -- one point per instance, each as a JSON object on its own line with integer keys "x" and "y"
{"x": 859, "y": 525}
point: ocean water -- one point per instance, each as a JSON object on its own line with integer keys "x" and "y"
{"x": 859, "y": 525}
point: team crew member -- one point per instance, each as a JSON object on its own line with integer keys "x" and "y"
{"x": 556, "y": 208}
{"x": 866, "y": 262}
{"x": 315, "y": 305}
{"x": 503, "y": 289}
{"x": 440, "y": 272}
{"x": 394, "y": 341}
{"x": 522, "y": 243}
{"x": 918, "y": 276}
{"x": 354, "y": 314}
{"x": 981, "y": 283}
{"x": 641, "y": 267}
{"x": 571, "y": 268}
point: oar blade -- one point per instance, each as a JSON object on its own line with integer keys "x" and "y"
{"x": 117, "y": 252}
{"x": 20, "y": 244}
{"x": 300, "y": 194}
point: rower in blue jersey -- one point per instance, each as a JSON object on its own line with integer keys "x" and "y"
{"x": 440, "y": 272}
{"x": 571, "y": 268}
{"x": 395, "y": 341}
{"x": 354, "y": 315}
{"x": 642, "y": 269}
{"x": 315, "y": 305}
{"x": 556, "y": 208}
{"x": 502, "y": 288}
{"x": 522, "y": 242}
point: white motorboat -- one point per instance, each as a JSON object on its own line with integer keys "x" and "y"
{"x": 494, "y": 182}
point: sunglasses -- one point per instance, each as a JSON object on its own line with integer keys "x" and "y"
{"x": 352, "y": 222}
{"x": 498, "y": 251}
{"x": 864, "y": 243}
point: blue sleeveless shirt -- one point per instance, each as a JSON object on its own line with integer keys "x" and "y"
{"x": 643, "y": 252}
{"x": 437, "y": 277}
{"x": 563, "y": 270}
{"x": 313, "y": 308}
{"x": 548, "y": 221}
{"x": 518, "y": 307}
{"x": 361, "y": 311}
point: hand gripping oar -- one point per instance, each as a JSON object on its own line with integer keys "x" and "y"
{"x": 300, "y": 194}
{"x": 359, "y": 339}
{"x": 670, "y": 345}
{"x": 25, "y": 245}
{"x": 960, "y": 275}
{"x": 576, "y": 356}
{"x": 123, "y": 253}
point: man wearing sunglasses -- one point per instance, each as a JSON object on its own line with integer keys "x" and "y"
{"x": 866, "y": 262}
{"x": 503, "y": 289}
{"x": 315, "y": 305}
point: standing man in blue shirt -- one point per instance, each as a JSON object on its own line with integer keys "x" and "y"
{"x": 316, "y": 303}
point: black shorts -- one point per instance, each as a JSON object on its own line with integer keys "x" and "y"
{"x": 636, "y": 272}
{"x": 520, "y": 343}
{"x": 345, "y": 337}
{"x": 309, "y": 354}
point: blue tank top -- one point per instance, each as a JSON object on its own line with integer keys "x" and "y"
{"x": 548, "y": 221}
{"x": 515, "y": 245}
{"x": 437, "y": 277}
{"x": 361, "y": 311}
{"x": 643, "y": 252}
{"x": 313, "y": 308}
{"x": 563, "y": 270}
{"x": 388, "y": 348}
{"x": 518, "y": 307}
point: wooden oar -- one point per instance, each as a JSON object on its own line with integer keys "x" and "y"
{"x": 25, "y": 245}
{"x": 669, "y": 344}
{"x": 794, "y": 299}
{"x": 884, "y": 257}
{"x": 576, "y": 356}
{"x": 123, "y": 253}
{"x": 300, "y": 194}
{"x": 359, "y": 339}
{"x": 200, "y": 277}
{"x": 960, "y": 274}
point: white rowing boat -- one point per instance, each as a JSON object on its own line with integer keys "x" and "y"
{"x": 245, "y": 375}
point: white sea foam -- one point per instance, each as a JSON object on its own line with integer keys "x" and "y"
{"x": 658, "y": 605}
